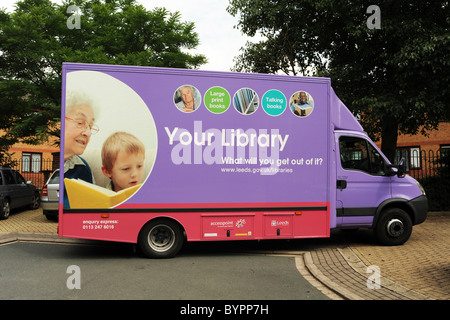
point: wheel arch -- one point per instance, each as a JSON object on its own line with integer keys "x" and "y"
{"x": 163, "y": 218}
{"x": 395, "y": 203}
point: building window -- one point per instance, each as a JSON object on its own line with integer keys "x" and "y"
{"x": 445, "y": 149}
{"x": 411, "y": 155}
{"x": 414, "y": 157}
{"x": 31, "y": 162}
{"x": 445, "y": 155}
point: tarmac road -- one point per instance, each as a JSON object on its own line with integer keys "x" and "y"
{"x": 112, "y": 271}
{"x": 338, "y": 267}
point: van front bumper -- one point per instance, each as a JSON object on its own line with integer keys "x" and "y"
{"x": 420, "y": 208}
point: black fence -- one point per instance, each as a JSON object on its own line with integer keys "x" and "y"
{"x": 37, "y": 171}
{"x": 432, "y": 170}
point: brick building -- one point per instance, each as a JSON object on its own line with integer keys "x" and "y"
{"x": 416, "y": 148}
{"x": 36, "y": 162}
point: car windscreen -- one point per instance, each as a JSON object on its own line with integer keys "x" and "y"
{"x": 55, "y": 178}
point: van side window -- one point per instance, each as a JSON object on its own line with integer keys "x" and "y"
{"x": 359, "y": 154}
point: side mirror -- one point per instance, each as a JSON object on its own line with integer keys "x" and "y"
{"x": 398, "y": 170}
{"x": 391, "y": 170}
{"x": 401, "y": 168}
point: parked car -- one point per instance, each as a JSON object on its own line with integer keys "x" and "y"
{"x": 16, "y": 192}
{"x": 50, "y": 196}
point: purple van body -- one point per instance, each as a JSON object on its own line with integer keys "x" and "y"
{"x": 220, "y": 156}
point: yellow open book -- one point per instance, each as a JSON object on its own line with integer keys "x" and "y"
{"x": 85, "y": 195}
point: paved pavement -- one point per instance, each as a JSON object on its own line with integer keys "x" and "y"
{"x": 348, "y": 266}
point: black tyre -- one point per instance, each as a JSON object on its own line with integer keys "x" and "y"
{"x": 35, "y": 202}
{"x": 5, "y": 209}
{"x": 161, "y": 238}
{"x": 51, "y": 216}
{"x": 394, "y": 227}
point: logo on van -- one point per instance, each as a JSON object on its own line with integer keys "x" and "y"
{"x": 240, "y": 223}
{"x": 276, "y": 223}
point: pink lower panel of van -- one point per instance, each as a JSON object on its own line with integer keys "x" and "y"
{"x": 201, "y": 223}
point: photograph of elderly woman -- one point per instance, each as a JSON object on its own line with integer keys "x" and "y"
{"x": 92, "y": 102}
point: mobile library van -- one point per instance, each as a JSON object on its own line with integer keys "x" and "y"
{"x": 158, "y": 156}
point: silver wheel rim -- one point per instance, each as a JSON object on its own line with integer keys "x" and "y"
{"x": 35, "y": 203}
{"x": 6, "y": 209}
{"x": 395, "y": 227}
{"x": 161, "y": 238}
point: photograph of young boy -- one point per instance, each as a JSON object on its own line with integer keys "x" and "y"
{"x": 123, "y": 157}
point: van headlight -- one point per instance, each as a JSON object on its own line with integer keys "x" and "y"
{"x": 421, "y": 188}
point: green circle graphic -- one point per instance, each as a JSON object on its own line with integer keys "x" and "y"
{"x": 217, "y": 100}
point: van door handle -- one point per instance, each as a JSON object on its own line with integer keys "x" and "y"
{"x": 341, "y": 184}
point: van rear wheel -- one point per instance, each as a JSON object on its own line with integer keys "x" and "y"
{"x": 394, "y": 227}
{"x": 162, "y": 238}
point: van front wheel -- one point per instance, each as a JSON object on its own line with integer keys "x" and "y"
{"x": 394, "y": 227}
{"x": 161, "y": 238}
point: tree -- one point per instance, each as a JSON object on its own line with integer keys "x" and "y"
{"x": 396, "y": 77}
{"x": 289, "y": 45}
{"x": 36, "y": 39}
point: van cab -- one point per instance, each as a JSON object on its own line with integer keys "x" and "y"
{"x": 370, "y": 192}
